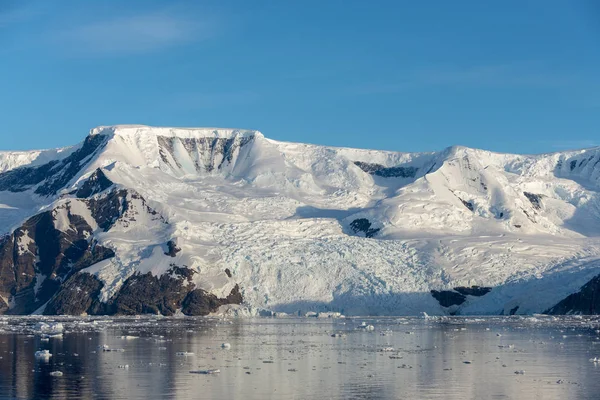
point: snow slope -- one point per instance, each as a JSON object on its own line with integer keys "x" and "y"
{"x": 303, "y": 227}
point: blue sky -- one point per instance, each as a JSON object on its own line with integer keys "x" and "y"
{"x": 510, "y": 76}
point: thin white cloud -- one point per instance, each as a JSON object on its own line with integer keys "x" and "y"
{"x": 133, "y": 35}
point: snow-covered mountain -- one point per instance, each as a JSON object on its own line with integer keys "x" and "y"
{"x": 138, "y": 219}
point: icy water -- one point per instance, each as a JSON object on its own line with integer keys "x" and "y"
{"x": 401, "y": 358}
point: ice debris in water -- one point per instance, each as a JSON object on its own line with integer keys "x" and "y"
{"x": 43, "y": 354}
{"x": 56, "y": 373}
{"x": 595, "y": 360}
{"x": 126, "y": 366}
{"x": 184, "y": 353}
{"x": 366, "y": 327}
{"x": 106, "y": 348}
{"x": 206, "y": 371}
{"x": 52, "y": 328}
{"x": 520, "y": 372}
{"x": 226, "y": 346}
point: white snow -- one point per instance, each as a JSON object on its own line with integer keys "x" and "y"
{"x": 278, "y": 216}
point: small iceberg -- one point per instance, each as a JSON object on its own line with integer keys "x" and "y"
{"x": 56, "y": 373}
{"x": 43, "y": 355}
{"x": 206, "y": 371}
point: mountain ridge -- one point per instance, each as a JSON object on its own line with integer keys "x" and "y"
{"x": 294, "y": 227}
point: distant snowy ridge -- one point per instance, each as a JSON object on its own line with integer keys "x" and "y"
{"x": 138, "y": 219}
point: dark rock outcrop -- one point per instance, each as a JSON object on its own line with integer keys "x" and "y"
{"x": 172, "y": 248}
{"x": 364, "y": 225}
{"x": 77, "y": 296}
{"x": 467, "y": 204}
{"x": 586, "y": 301}
{"x": 37, "y": 250}
{"x": 199, "y": 302}
{"x": 214, "y": 151}
{"x": 54, "y": 175}
{"x": 448, "y": 298}
{"x": 477, "y": 291}
{"x": 228, "y": 272}
{"x": 149, "y": 294}
{"x": 140, "y": 294}
{"x": 96, "y": 183}
{"x": 165, "y": 294}
{"x": 387, "y": 172}
{"x": 535, "y": 199}
{"x": 3, "y": 306}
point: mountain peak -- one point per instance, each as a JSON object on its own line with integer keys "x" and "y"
{"x": 188, "y": 133}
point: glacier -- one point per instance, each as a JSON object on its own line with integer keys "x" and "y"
{"x": 139, "y": 219}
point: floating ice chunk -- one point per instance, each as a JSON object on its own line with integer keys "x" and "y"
{"x": 126, "y": 366}
{"x": 226, "y": 346}
{"x": 338, "y": 335}
{"x": 330, "y": 315}
{"x": 595, "y": 360}
{"x": 184, "y": 354}
{"x": 43, "y": 355}
{"x": 387, "y": 349}
{"x": 129, "y": 337}
{"x": 206, "y": 371}
{"x": 56, "y": 373}
{"x": 51, "y": 328}
{"x": 520, "y": 372}
{"x": 106, "y": 348}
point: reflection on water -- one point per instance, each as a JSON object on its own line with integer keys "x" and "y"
{"x": 455, "y": 358}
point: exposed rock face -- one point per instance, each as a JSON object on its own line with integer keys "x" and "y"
{"x": 448, "y": 298}
{"x": 40, "y": 263}
{"x": 535, "y": 199}
{"x": 364, "y": 225}
{"x": 172, "y": 248}
{"x": 208, "y": 153}
{"x": 149, "y": 294}
{"x": 199, "y": 302}
{"x": 3, "y": 306}
{"x": 586, "y": 301}
{"x": 387, "y": 172}
{"x": 467, "y": 204}
{"x": 77, "y": 296}
{"x": 457, "y": 296}
{"x": 96, "y": 183}
{"x": 37, "y": 257}
{"x": 140, "y": 294}
{"x": 52, "y": 176}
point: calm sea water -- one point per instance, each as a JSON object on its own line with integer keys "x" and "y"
{"x": 401, "y": 358}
